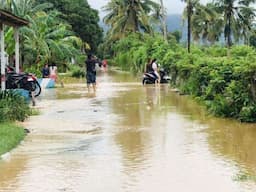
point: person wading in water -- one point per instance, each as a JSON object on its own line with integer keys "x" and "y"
{"x": 91, "y": 72}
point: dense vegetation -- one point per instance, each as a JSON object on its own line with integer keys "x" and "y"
{"x": 59, "y": 32}
{"x": 83, "y": 19}
{"x": 212, "y": 68}
{"x": 226, "y": 85}
{"x": 13, "y": 107}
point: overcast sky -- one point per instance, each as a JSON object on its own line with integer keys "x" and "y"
{"x": 173, "y": 6}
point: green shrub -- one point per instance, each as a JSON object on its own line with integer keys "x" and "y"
{"x": 247, "y": 113}
{"x": 76, "y": 71}
{"x": 13, "y": 106}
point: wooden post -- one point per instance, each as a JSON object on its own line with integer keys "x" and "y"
{"x": 17, "y": 50}
{"x": 3, "y": 76}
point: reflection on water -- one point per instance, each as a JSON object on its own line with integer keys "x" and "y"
{"x": 129, "y": 137}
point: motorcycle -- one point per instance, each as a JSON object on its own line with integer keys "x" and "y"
{"x": 27, "y": 81}
{"x": 150, "y": 78}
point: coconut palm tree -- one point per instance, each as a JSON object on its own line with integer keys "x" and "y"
{"x": 189, "y": 10}
{"x": 163, "y": 20}
{"x": 125, "y": 16}
{"x": 24, "y": 8}
{"x": 48, "y": 39}
{"x": 207, "y": 23}
{"x": 247, "y": 22}
{"x": 237, "y": 15}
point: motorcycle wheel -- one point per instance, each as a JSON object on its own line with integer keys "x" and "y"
{"x": 36, "y": 88}
{"x": 144, "y": 81}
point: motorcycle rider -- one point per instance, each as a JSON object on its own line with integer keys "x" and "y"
{"x": 154, "y": 67}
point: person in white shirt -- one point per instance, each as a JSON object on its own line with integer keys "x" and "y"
{"x": 53, "y": 72}
{"x": 155, "y": 69}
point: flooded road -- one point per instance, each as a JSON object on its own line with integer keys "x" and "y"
{"x": 129, "y": 138}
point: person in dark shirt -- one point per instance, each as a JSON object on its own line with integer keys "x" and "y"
{"x": 91, "y": 72}
{"x": 148, "y": 67}
{"x": 45, "y": 71}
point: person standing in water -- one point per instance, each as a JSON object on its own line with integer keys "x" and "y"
{"x": 91, "y": 72}
{"x": 53, "y": 72}
{"x": 45, "y": 71}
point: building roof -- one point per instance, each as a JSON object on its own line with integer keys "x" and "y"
{"x": 10, "y": 19}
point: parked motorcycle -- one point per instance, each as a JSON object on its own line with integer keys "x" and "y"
{"x": 150, "y": 78}
{"x": 27, "y": 81}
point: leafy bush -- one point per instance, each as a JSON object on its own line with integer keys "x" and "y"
{"x": 13, "y": 106}
{"x": 76, "y": 71}
{"x": 242, "y": 51}
{"x": 247, "y": 114}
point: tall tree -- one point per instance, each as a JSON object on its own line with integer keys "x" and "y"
{"x": 237, "y": 16}
{"x": 163, "y": 20}
{"x": 189, "y": 10}
{"x": 83, "y": 19}
{"x": 28, "y": 8}
{"x": 48, "y": 39}
{"x": 125, "y": 16}
{"x": 207, "y": 23}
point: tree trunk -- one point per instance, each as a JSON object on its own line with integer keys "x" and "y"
{"x": 164, "y": 25}
{"x": 189, "y": 12}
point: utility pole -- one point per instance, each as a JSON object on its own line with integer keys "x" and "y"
{"x": 163, "y": 20}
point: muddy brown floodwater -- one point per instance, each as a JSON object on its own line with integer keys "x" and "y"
{"x": 129, "y": 138}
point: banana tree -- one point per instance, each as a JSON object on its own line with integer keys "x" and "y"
{"x": 47, "y": 39}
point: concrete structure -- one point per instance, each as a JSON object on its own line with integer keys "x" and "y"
{"x": 7, "y": 18}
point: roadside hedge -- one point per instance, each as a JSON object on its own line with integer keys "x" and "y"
{"x": 225, "y": 84}
{"x": 13, "y": 107}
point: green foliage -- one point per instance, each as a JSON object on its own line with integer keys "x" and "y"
{"x": 216, "y": 51}
{"x": 134, "y": 51}
{"x": 10, "y": 135}
{"x": 226, "y": 85}
{"x": 124, "y": 17}
{"x": 247, "y": 113}
{"x": 242, "y": 51}
{"x": 176, "y": 34}
{"x": 48, "y": 40}
{"x": 35, "y": 69}
{"x": 13, "y": 106}
{"x": 76, "y": 71}
{"x": 83, "y": 19}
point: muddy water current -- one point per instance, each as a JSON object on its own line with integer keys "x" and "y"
{"x": 128, "y": 138}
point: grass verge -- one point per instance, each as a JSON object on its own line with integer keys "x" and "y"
{"x": 10, "y": 136}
